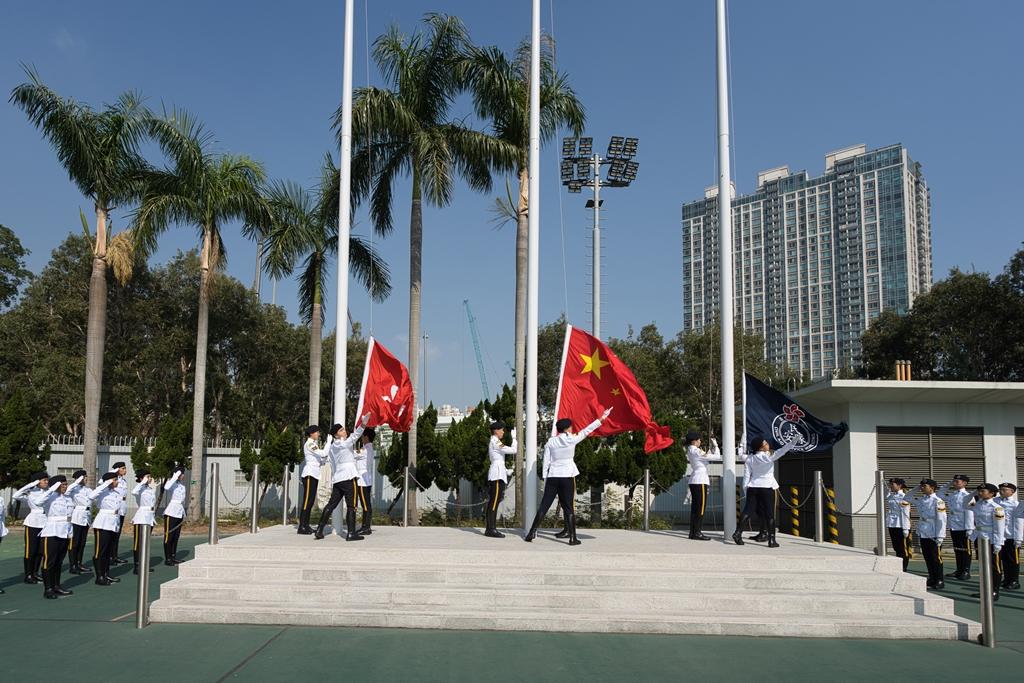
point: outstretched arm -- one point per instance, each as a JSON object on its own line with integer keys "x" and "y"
{"x": 169, "y": 484}
{"x": 22, "y": 493}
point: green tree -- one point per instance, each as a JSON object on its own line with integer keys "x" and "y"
{"x": 407, "y": 130}
{"x": 464, "y": 453}
{"x": 99, "y": 150}
{"x": 13, "y": 274}
{"x": 430, "y": 464}
{"x": 203, "y": 190}
{"x": 20, "y": 439}
{"x": 280, "y": 449}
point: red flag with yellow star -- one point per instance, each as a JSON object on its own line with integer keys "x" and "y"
{"x": 593, "y": 379}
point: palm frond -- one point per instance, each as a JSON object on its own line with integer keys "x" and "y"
{"x": 369, "y": 269}
{"x": 505, "y": 209}
{"x": 121, "y": 256}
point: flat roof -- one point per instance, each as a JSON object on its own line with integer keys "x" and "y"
{"x": 842, "y": 391}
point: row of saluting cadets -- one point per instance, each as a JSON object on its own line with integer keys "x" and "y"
{"x": 61, "y": 514}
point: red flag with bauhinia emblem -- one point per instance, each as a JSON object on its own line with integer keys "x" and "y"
{"x": 386, "y": 391}
{"x": 593, "y": 379}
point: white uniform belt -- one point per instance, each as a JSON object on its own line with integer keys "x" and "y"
{"x": 81, "y": 508}
{"x": 58, "y": 518}
{"x": 106, "y": 512}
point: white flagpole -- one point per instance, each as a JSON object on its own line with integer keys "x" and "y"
{"x": 725, "y": 284}
{"x": 533, "y": 276}
{"x": 366, "y": 375}
{"x": 561, "y": 374}
{"x": 344, "y": 214}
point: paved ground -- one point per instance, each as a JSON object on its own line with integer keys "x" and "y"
{"x": 34, "y": 631}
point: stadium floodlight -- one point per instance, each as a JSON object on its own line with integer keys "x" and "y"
{"x": 566, "y": 170}
{"x": 568, "y": 147}
{"x": 629, "y": 174}
{"x": 586, "y": 147}
{"x": 629, "y": 148}
{"x": 575, "y": 186}
{"x": 615, "y": 146}
{"x": 583, "y": 169}
{"x": 617, "y": 169}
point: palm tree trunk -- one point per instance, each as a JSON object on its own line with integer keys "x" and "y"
{"x": 95, "y": 338}
{"x": 199, "y": 383}
{"x": 315, "y": 360}
{"x": 522, "y": 247}
{"x": 415, "y": 284}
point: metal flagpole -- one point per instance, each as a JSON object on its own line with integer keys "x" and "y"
{"x": 533, "y": 276}
{"x": 344, "y": 216}
{"x": 725, "y": 284}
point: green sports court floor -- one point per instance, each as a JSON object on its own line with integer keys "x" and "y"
{"x": 76, "y": 635}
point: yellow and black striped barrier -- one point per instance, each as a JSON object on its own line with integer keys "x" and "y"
{"x": 794, "y": 500}
{"x": 832, "y": 517}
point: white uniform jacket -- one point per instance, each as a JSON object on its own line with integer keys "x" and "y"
{"x": 313, "y": 457}
{"x": 58, "y": 508}
{"x": 957, "y": 501}
{"x": 35, "y": 496}
{"x": 897, "y": 511}
{"x": 762, "y": 467}
{"x": 931, "y": 512}
{"x": 82, "y": 514}
{"x": 122, "y": 490}
{"x": 145, "y": 498}
{"x": 176, "y": 497}
{"x": 108, "y": 503}
{"x": 1010, "y": 507}
{"x": 986, "y": 519}
{"x": 1018, "y": 525}
{"x": 366, "y": 465}
{"x": 496, "y": 452}
{"x": 3, "y": 517}
{"x": 699, "y": 463}
{"x": 560, "y": 451}
{"x": 342, "y": 457}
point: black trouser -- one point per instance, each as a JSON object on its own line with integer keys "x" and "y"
{"x": 54, "y": 550}
{"x": 172, "y": 530}
{"x": 342, "y": 489}
{"x": 33, "y": 551}
{"x": 564, "y": 488}
{"x": 698, "y": 502}
{"x": 902, "y": 544}
{"x": 307, "y": 497}
{"x": 1009, "y": 558}
{"x": 764, "y": 501}
{"x": 102, "y": 540}
{"x": 750, "y": 510}
{"x": 930, "y": 548}
{"x": 114, "y": 545}
{"x": 366, "y": 502}
{"x": 495, "y": 494}
{"x": 76, "y": 549}
{"x": 962, "y": 551}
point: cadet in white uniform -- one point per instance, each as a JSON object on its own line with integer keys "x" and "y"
{"x": 986, "y": 519}
{"x": 560, "y": 474}
{"x": 55, "y": 535}
{"x": 1010, "y": 557}
{"x": 761, "y": 486}
{"x": 314, "y": 458}
{"x": 699, "y": 482}
{"x": 3, "y": 524}
{"x": 120, "y": 469}
{"x": 497, "y": 476}
{"x": 33, "y": 493}
{"x": 958, "y": 497}
{"x": 367, "y": 468}
{"x": 344, "y": 478}
{"x": 931, "y": 529}
{"x": 174, "y": 515}
{"x": 145, "y": 499}
{"x": 897, "y": 520}
{"x": 105, "y": 526}
{"x": 81, "y": 517}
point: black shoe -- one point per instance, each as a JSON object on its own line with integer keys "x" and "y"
{"x": 564, "y": 533}
{"x": 701, "y": 537}
{"x": 353, "y": 537}
{"x": 175, "y": 561}
{"x": 760, "y": 538}
{"x": 493, "y": 533}
{"x": 103, "y": 581}
{"x": 531, "y": 535}
{"x": 319, "y": 534}
{"x": 62, "y": 591}
{"x": 112, "y": 579}
{"x": 737, "y": 537}
{"x": 304, "y": 531}
{"x": 73, "y": 569}
{"x": 772, "y": 543}
{"x": 958, "y": 575}
{"x": 364, "y": 531}
{"x": 117, "y": 561}
{"x": 49, "y": 594}
{"x": 1, "y": 591}
{"x": 938, "y": 585}
{"x": 167, "y": 562}
{"x": 570, "y": 522}
{"x": 32, "y": 579}
{"x": 1012, "y": 585}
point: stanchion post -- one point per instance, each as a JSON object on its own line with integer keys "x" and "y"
{"x": 254, "y": 507}
{"x": 142, "y": 600}
{"x": 880, "y": 512}
{"x": 405, "y": 498}
{"x": 284, "y": 497}
{"x": 819, "y": 509}
{"x": 647, "y": 499}
{"x": 988, "y": 621}
{"x": 213, "y": 536}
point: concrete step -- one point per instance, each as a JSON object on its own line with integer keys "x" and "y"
{"x": 570, "y": 620}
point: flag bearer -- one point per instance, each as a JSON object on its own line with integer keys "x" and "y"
{"x": 986, "y": 519}
{"x": 344, "y": 478}
{"x": 104, "y": 527}
{"x": 762, "y": 486}
{"x": 34, "y": 493}
{"x": 120, "y": 469}
{"x": 314, "y": 458}
{"x": 699, "y": 481}
{"x": 497, "y": 476}
{"x": 897, "y": 520}
{"x": 1010, "y": 558}
{"x": 81, "y": 517}
{"x": 931, "y": 529}
{"x": 145, "y": 498}
{"x": 958, "y": 497}
{"x": 367, "y": 468}
{"x": 55, "y": 535}
{"x": 560, "y": 474}
{"x": 174, "y": 515}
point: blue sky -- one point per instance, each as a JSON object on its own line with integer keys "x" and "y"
{"x": 942, "y": 77}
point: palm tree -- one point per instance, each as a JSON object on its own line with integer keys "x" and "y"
{"x": 500, "y": 87}
{"x": 99, "y": 150}
{"x": 302, "y": 227}
{"x": 405, "y": 130}
{"x": 205, "y": 190}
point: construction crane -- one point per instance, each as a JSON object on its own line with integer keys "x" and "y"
{"x": 476, "y": 348}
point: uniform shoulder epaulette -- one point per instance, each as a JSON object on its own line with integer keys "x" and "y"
{"x": 999, "y": 512}
{"x": 905, "y": 503}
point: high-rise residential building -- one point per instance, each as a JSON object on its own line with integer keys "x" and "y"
{"x": 816, "y": 259}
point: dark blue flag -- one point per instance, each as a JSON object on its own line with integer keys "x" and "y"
{"x": 776, "y": 417}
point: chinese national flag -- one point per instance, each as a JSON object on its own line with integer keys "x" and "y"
{"x": 593, "y": 379}
{"x": 386, "y": 392}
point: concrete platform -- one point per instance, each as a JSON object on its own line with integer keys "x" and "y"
{"x": 617, "y": 581}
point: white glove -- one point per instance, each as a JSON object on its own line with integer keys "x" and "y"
{"x": 366, "y": 419}
{"x": 714, "y": 444}
{"x": 514, "y": 444}
{"x": 513, "y": 433}
{"x": 605, "y": 414}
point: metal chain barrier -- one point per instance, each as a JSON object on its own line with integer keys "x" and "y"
{"x": 245, "y": 495}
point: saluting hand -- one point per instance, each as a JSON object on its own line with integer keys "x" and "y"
{"x": 366, "y": 419}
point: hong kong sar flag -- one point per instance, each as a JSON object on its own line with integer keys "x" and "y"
{"x": 386, "y": 392}
{"x": 593, "y": 379}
